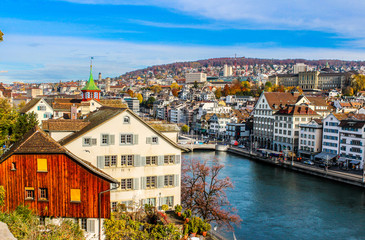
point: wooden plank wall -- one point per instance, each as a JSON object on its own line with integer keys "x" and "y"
{"x": 63, "y": 175}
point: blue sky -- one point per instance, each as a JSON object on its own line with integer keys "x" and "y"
{"x": 52, "y": 40}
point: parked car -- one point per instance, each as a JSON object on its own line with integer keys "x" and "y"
{"x": 308, "y": 162}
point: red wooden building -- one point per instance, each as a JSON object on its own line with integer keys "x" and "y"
{"x": 40, "y": 173}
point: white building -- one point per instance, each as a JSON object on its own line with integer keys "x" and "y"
{"x": 40, "y": 107}
{"x": 146, "y": 162}
{"x": 310, "y": 139}
{"x": 300, "y": 67}
{"x": 195, "y": 77}
{"x": 331, "y": 133}
{"x": 286, "y": 128}
{"x": 352, "y": 143}
{"x": 227, "y": 71}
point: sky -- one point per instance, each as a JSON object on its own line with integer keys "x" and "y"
{"x": 53, "y": 40}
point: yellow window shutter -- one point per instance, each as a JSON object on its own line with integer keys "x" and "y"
{"x": 42, "y": 165}
{"x": 75, "y": 195}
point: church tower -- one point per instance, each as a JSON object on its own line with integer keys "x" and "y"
{"x": 90, "y": 91}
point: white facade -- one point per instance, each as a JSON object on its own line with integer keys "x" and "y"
{"x": 43, "y": 110}
{"x": 227, "y": 71}
{"x": 352, "y": 144}
{"x": 331, "y": 129}
{"x": 310, "y": 139}
{"x": 195, "y": 77}
{"x": 146, "y": 163}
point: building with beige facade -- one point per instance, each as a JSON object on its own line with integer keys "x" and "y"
{"x": 145, "y": 162}
{"x": 326, "y": 79}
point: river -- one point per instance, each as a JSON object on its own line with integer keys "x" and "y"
{"x": 275, "y": 203}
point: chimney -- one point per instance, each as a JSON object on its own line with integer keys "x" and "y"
{"x": 73, "y": 112}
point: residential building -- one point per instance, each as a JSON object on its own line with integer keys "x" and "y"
{"x": 351, "y": 141}
{"x": 40, "y": 173}
{"x": 331, "y": 133}
{"x": 133, "y": 104}
{"x": 144, "y": 161}
{"x": 286, "y": 128}
{"x": 40, "y": 107}
{"x": 237, "y": 131}
{"x": 195, "y": 77}
{"x": 310, "y": 139}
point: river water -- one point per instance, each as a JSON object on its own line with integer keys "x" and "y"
{"x": 275, "y": 203}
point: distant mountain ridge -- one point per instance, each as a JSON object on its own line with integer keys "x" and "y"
{"x": 242, "y": 61}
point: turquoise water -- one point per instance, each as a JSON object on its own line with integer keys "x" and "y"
{"x": 275, "y": 203}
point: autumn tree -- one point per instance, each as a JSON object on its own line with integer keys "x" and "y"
{"x": 185, "y": 128}
{"x": 358, "y": 82}
{"x": 140, "y": 97}
{"x": 203, "y": 190}
{"x": 130, "y": 93}
{"x": 348, "y": 91}
{"x": 226, "y": 90}
{"x": 156, "y": 88}
{"x": 195, "y": 84}
{"x": 218, "y": 93}
{"x": 174, "y": 85}
{"x": 175, "y": 92}
{"x": 1, "y": 35}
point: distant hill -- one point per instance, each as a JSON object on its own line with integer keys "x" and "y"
{"x": 242, "y": 61}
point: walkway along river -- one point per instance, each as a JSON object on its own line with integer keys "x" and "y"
{"x": 276, "y": 203}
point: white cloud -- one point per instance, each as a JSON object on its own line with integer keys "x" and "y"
{"x": 336, "y": 16}
{"x": 42, "y": 59}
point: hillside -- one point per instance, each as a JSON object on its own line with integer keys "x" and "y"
{"x": 242, "y": 61}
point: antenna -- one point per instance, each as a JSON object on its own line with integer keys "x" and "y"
{"x": 91, "y": 62}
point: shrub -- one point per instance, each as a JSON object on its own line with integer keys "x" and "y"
{"x": 165, "y": 207}
{"x": 178, "y": 208}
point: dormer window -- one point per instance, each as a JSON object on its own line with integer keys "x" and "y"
{"x": 126, "y": 120}
{"x": 13, "y": 166}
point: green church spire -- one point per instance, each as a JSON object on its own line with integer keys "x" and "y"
{"x": 90, "y": 85}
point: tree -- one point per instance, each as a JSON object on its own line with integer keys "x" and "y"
{"x": 348, "y": 91}
{"x": 156, "y": 88}
{"x": 175, "y": 92}
{"x": 130, "y": 92}
{"x": 23, "y": 124}
{"x": 140, "y": 97}
{"x": 226, "y": 90}
{"x": 358, "y": 82}
{"x": 195, "y": 84}
{"x": 268, "y": 85}
{"x": 203, "y": 191}
{"x": 1, "y": 35}
{"x": 218, "y": 93}
{"x": 174, "y": 85}
{"x": 8, "y": 118}
{"x": 185, "y": 128}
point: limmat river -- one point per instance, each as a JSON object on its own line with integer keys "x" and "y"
{"x": 275, "y": 203}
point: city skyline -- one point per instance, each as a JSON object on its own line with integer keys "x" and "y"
{"x": 52, "y": 40}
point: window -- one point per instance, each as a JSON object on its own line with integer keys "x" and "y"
{"x": 104, "y": 139}
{"x": 42, "y": 165}
{"x": 169, "y": 159}
{"x": 169, "y": 181}
{"x": 126, "y": 139}
{"x": 126, "y": 120}
{"x": 42, "y": 221}
{"x": 114, "y": 206}
{"x": 151, "y": 160}
{"x": 111, "y": 161}
{"x": 87, "y": 141}
{"x": 75, "y": 195}
{"x": 150, "y": 201}
{"x": 42, "y": 108}
{"x": 126, "y": 184}
{"x": 127, "y": 160}
{"x": 169, "y": 201}
{"x": 84, "y": 224}
{"x": 29, "y": 193}
{"x": 43, "y": 194}
{"x": 13, "y": 166}
{"x": 154, "y": 140}
{"x": 151, "y": 182}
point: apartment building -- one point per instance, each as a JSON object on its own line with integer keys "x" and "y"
{"x": 144, "y": 161}
{"x": 331, "y": 134}
{"x": 310, "y": 139}
{"x": 40, "y": 107}
{"x": 286, "y": 127}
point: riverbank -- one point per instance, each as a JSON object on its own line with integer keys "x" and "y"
{"x": 348, "y": 178}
